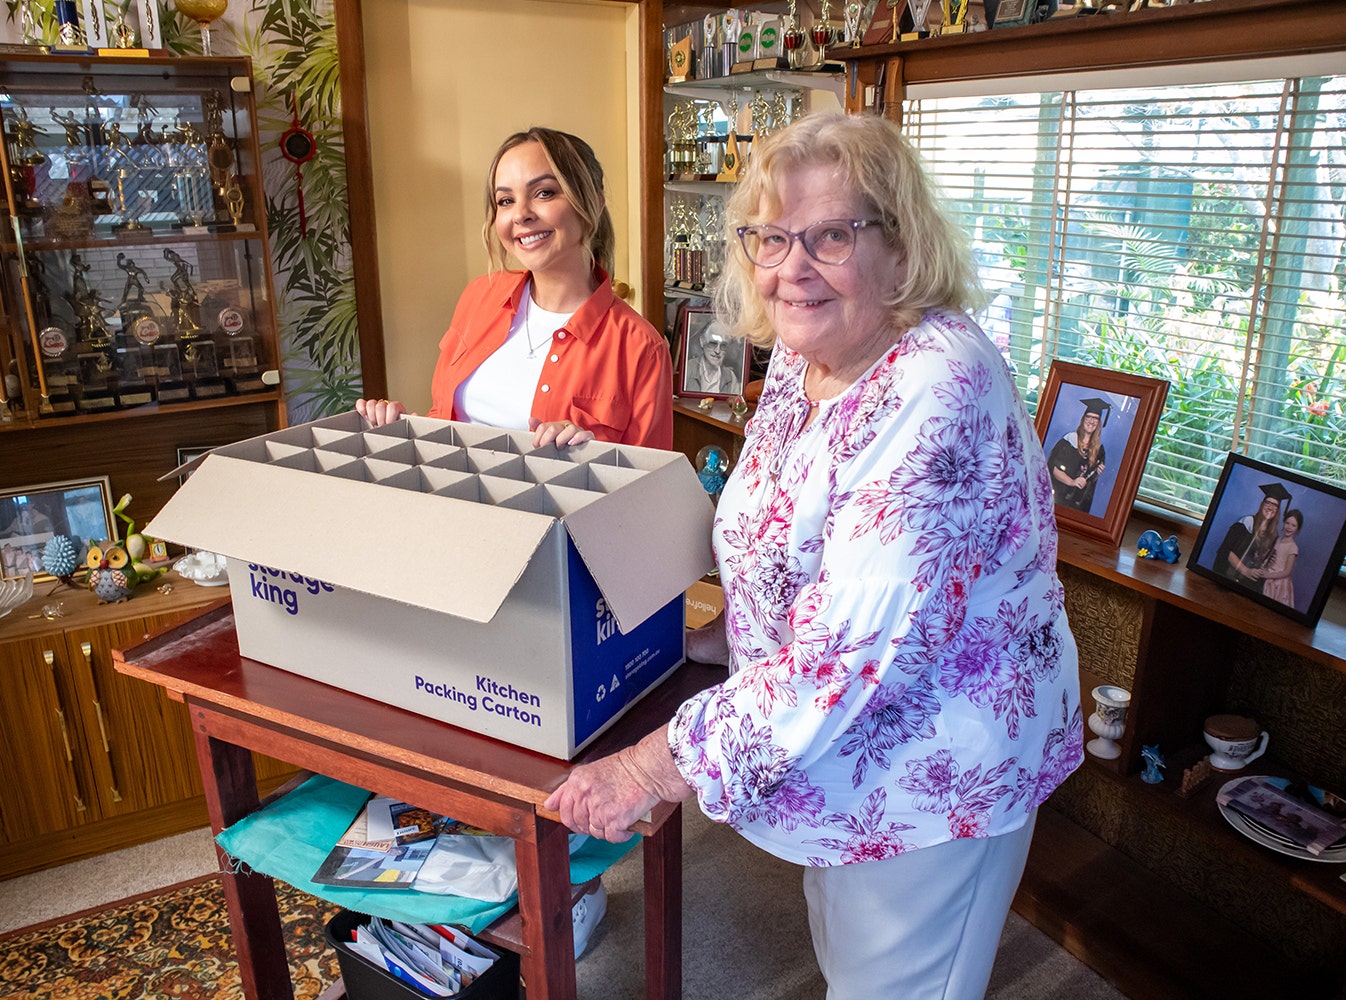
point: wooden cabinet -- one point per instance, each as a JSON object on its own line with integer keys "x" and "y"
{"x": 138, "y": 304}
{"x": 93, "y": 760}
{"x": 1112, "y": 851}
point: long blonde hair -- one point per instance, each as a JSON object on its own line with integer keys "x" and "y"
{"x": 580, "y": 175}
{"x": 876, "y": 162}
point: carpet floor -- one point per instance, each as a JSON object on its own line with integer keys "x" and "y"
{"x": 170, "y": 945}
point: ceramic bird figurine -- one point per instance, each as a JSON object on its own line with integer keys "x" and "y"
{"x": 112, "y": 577}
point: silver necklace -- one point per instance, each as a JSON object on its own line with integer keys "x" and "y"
{"x": 528, "y": 324}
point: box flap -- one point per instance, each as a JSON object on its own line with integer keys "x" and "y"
{"x": 435, "y": 552}
{"x": 661, "y": 520}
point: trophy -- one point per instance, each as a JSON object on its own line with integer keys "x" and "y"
{"x": 95, "y": 26}
{"x": 184, "y": 304}
{"x": 151, "y": 34}
{"x": 955, "y": 17}
{"x": 203, "y": 12}
{"x": 851, "y": 12}
{"x": 770, "y": 49}
{"x": 711, "y": 45}
{"x": 680, "y": 60}
{"x": 823, "y": 33}
{"x": 731, "y": 26}
{"x": 731, "y": 167}
{"x": 133, "y": 305}
{"x": 917, "y": 12}
{"x": 60, "y": 368}
{"x": 759, "y": 112}
{"x": 793, "y": 38}
{"x": 715, "y": 238}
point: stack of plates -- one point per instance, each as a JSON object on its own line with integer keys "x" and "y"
{"x": 1267, "y": 837}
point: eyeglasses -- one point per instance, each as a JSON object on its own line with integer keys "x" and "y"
{"x": 829, "y": 242}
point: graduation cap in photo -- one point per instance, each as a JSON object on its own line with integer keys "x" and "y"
{"x": 1275, "y": 491}
{"x": 1100, "y": 408}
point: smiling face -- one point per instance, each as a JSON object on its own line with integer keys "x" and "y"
{"x": 1291, "y": 526}
{"x": 831, "y": 314}
{"x": 713, "y": 350}
{"x": 533, "y": 218}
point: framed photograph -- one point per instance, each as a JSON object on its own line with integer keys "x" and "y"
{"x": 1097, "y": 426}
{"x": 31, "y": 515}
{"x": 711, "y": 363}
{"x": 1274, "y": 535}
{"x": 186, "y": 454}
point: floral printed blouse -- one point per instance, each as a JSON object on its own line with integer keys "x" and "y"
{"x": 902, "y": 672}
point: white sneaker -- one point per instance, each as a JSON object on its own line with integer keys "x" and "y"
{"x": 587, "y": 914}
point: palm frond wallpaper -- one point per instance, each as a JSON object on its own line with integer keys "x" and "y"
{"x": 292, "y": 44}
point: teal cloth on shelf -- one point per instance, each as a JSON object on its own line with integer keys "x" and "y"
{"x": 290, "y": 838}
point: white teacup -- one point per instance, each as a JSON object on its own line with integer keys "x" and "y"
{"x": 1234, "y": 741}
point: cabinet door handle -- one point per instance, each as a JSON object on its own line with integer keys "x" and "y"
{"x": 87, "y": 649}
{"x": 65, "y": 736}
{"x": 49, "y": 658}
{"x": 102, "y": 728}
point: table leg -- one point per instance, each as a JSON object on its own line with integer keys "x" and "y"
{"x": 663, "y": 910}
{"x": 254, "y": 918}
{"x": 543, "y": 862}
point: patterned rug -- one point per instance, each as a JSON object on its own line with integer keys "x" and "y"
{"x": 172, "y": 944}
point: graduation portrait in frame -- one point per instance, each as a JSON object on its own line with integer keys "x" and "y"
{"x": 1274, "y": 535}
{"x": 1096, "y": 427}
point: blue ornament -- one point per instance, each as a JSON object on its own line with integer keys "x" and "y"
{"x": 712, "y": 468}
{"x": 1153, "y": 762}
{"x": 60, "y": 558}
{"x": 1150, "y": 546}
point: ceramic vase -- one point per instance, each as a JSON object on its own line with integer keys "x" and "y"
{"x": 1108, "y": 720}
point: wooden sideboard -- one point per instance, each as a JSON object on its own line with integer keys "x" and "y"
{"x": 93, "y": 761}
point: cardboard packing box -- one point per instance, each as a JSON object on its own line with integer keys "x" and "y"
{"x": 452, "y": 570}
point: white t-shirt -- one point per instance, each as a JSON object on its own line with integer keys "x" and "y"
{"x": 500, "y": 392}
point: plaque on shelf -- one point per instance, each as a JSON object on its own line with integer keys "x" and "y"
{"x": 133, "y": 386}
{"x": 201, "y": 368}
{"x": 770, "y": 49}
{"x": 169, "y": 385}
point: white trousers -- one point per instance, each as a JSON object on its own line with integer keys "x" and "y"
{"x": 921, "y": 926}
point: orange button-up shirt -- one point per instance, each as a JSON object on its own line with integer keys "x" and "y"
{"x": 607, "y": 370}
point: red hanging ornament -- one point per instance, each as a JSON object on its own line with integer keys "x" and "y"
{"x": 297, "y": 146}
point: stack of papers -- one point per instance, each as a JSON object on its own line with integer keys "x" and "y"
{"x": 436, "y": 959}
{"x": 384, "y": 848}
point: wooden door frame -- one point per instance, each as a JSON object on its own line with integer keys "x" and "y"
{"x": 360, "y": 178}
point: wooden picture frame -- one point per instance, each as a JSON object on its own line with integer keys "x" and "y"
{"x": 695, "y": 377}
{"x": 31, "y": 515}
{"x": 1228, "y": 541}
{"x": 1130, "y": 406}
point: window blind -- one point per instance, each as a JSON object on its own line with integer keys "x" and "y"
{"x": 1189, "y": 232}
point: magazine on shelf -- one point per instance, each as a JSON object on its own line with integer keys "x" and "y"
{"x": 388, "y": 862}
{"x": 1285, "y": 815}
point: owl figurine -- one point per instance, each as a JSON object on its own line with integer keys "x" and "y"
{"x": 112, "y": 577}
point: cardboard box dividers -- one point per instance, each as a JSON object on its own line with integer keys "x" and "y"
{"x": 427, "y": 555}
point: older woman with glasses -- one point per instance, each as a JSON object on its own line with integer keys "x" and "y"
{"x": 902, "y": 691}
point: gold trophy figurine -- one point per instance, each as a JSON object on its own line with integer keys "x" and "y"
{"x": 233, "y": 200}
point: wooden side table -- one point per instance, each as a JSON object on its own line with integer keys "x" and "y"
{"x": 237, "y": 705}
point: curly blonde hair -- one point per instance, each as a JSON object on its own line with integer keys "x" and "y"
{"x": 876, "y": 162}
{"x": 580, "y": 175}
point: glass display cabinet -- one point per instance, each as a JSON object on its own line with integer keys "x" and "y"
{"x": 135, "y": 266}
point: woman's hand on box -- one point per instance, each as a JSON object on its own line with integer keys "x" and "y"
{"x": 605, "y": 798}
{"x": 380, "y": 411}
{"x": 562, "y": 433}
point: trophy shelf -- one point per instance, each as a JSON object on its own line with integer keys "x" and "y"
{"x": 135, "y": 265}
{"x": 770, "y": 79}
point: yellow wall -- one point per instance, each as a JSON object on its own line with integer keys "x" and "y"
{"x": 447, "y": 81}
